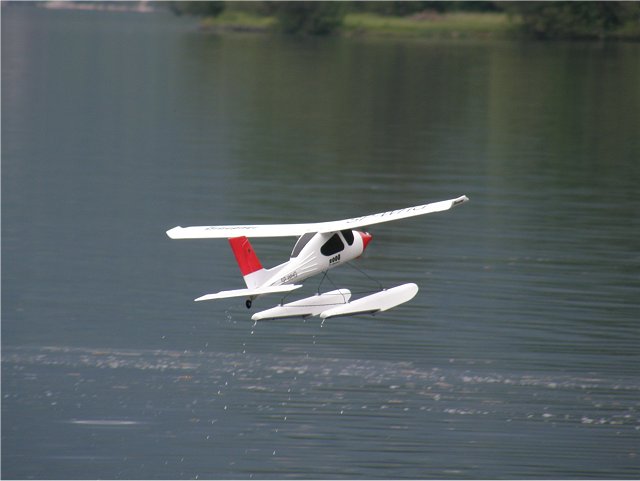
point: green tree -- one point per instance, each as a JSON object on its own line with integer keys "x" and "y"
{"x": 405, "y": 8}
{"x": 202, "y": 9}
{"x": 312, "y": 18}
{"x": 574, "y": 19}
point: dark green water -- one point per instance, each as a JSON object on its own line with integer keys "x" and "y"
{"x": 517, "y": 359}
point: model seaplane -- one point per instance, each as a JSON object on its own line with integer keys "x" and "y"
{"x": 321, "y": 246}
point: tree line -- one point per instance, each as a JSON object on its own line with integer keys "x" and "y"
{"x": 540, "y": 19}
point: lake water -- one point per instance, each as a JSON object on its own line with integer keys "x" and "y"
{"x": 517, "y": 359}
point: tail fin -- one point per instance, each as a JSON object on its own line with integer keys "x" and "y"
{"x": 250, "y": 266}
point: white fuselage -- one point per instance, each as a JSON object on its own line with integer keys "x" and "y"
{"x": 314, "y": 254}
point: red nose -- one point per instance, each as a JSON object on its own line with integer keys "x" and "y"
{"x": 366, "y": 238}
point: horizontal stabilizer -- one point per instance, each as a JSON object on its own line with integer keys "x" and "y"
{"x": 309, "y": 306}
{"x": 380, "y": 301}
{"x": 250, "y": 292}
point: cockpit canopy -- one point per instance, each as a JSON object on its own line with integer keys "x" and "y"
{"x": 335, "y": 244}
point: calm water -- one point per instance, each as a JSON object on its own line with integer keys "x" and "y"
{"x": 519, "y": 356}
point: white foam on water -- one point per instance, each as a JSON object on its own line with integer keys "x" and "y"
{"x": 104, "y": 422}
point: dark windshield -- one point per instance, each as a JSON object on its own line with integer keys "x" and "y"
{"x": 332, "y": 246}
{"x": 348, "y": 236}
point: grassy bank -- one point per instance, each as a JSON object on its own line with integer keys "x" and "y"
{"x": 238, "y": 21}
{"x": 431, "y": 24}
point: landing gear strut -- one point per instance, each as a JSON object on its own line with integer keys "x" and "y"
{"x": 248, "y": 303}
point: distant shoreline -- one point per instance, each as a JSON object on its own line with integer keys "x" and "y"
{"x": 425, "y": 25}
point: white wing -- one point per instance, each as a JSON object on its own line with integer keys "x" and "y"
{"x": 294, "y": 230}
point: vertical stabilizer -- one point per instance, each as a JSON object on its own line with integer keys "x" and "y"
{"x": 250, "y": 267}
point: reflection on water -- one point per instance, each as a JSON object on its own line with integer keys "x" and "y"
{"x": 517, "y": 358}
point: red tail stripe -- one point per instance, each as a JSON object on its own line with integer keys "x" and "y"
{"x": 245, "y": 255}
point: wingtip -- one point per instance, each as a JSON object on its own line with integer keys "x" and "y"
{"x": 173, "y": 233}
{"x": 460, "y": 200}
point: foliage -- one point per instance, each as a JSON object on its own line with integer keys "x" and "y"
{"x": 308, "y": 17}
{"x": 202, "y": 9}
{"x": 575, "y": 19}
{"x": 404, "y": 8}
